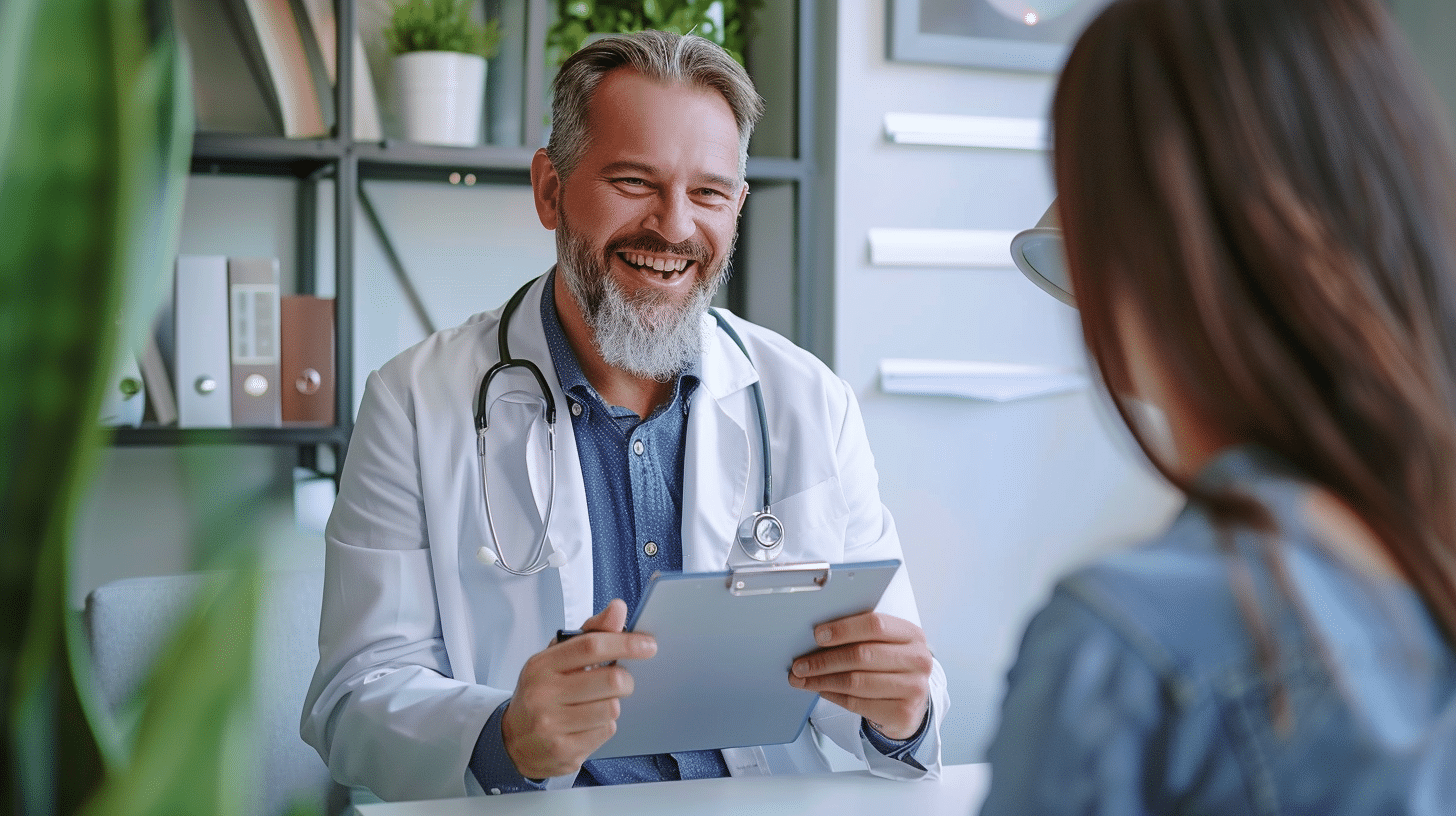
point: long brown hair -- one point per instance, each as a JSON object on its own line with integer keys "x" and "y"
{"x": 1269, "y": 186}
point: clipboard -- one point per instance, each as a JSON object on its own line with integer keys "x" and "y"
{"x": 725, "y": 641}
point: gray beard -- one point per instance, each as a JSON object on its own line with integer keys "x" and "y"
{"x": 646, "y": 334}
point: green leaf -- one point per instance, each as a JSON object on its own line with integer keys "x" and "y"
{"x": 440, "y": 25}
{"x": 65, "y": 195}
{"x": 98, "y": 130}
{"x": 700, "y": 17}
{"x": 192, "y": 744}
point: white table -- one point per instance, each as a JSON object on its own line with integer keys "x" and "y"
{"x": 958, "y": 793}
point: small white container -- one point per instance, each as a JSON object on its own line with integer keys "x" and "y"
{"x": 438, "y": 96}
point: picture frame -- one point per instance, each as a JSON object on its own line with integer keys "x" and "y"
{"x": 988, "y": 33}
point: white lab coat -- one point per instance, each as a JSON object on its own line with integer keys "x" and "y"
{"x": 420, "y": 642}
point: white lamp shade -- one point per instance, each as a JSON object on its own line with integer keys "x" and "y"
{"x": 1039, "y": 255}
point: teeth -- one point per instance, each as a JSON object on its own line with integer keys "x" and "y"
{"x": 666, "y": 265}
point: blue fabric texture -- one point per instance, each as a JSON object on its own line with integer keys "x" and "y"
{"x": 1137, "y": 689}
{"x": 903, "y": 750}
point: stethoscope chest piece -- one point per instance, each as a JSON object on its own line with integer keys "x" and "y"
{"x": 761, "y": 536}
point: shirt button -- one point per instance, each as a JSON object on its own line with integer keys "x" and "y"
{"x": 576, "y": 409}
{"x": 638, "y": 447}
{"x": 650, "y": 548}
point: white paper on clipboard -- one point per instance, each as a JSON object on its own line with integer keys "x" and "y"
{"x": 725, "y": 641}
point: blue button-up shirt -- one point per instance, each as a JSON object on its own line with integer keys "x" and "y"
{"x": 626, "y": 462}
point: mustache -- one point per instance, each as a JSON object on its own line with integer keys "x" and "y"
{"x": 647, "y": 242}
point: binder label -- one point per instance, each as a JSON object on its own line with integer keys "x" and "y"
{"x": 254, "y": 324}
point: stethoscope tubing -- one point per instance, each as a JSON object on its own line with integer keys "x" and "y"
{"x": 762, "y": 414}
{"x": 482, "y": 423}
{"x": 765, "y": 550}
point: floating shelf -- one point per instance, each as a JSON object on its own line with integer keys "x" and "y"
{"x": 941, "y": 247}
{"x": 991, "y": 382}
{"x": 993, "y": 132}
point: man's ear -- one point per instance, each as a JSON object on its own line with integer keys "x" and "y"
{"x": 546, "y": 188}
{"x": 742, "y": 199}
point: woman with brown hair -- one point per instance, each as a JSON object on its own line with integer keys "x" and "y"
{"x": 1258, "y": 201}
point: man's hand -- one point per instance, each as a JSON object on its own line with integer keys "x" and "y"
{"x": 566, "y": 701}
{"x": 877, "y": 666}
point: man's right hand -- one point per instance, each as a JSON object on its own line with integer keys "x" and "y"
{"x": 566, "y": 702}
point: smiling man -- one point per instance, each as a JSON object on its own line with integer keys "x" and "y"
{"x": 468, "y": 530}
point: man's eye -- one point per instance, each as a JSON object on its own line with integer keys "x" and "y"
{"x": 631, "y": 182}
{"x": 708, "y": 192}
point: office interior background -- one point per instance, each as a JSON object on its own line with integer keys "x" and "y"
{"x": 993, "y": 500}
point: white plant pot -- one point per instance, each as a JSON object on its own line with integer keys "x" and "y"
{"x": 438, "y": 96}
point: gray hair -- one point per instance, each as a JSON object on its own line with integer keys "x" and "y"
{"x": 667, "y": 58}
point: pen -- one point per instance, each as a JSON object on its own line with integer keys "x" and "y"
{"x": 563, "y": 635}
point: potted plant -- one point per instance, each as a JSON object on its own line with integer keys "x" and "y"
{"x": 439, "y": 69}
{"x": 725, "y": 22}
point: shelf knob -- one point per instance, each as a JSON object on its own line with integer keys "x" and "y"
{"x": 205, "y": 385}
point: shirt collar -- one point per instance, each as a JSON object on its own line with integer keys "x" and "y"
{"x": 1244, "y": 464}
{"x": 568, "y": 370}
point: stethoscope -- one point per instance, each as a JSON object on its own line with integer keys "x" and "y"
{"x": 760, "y": 536}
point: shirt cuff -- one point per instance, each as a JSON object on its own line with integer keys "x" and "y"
{"x": 903, "y": 750}
{"x": 490, "y": 763}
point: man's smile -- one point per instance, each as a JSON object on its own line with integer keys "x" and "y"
{"x": 668, "y": 266}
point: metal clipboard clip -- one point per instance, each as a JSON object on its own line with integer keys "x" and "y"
{"x": 767, "y": 579}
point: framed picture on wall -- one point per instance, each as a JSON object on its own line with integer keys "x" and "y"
{"x": 1016, "y": 35}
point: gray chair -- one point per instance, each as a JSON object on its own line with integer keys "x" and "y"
{"x": 129, "y": 621}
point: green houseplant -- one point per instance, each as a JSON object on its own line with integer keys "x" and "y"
{"x": 95, "y": 137}
{"x": 725, "y": 22}
{"x": 438, "y": 72}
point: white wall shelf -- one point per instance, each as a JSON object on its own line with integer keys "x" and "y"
{"x": 941, "y": 247}
{"x": 990, "y": 382}
{"x": 994, "y": 132}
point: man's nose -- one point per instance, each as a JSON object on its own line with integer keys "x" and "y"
{"x": 672, "y": 218}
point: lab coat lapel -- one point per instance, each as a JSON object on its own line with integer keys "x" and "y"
{"x": 717, "y": 465}
{"x": 570, "y": 531}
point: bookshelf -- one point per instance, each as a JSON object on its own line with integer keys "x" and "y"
{"x": 519, "y": 78}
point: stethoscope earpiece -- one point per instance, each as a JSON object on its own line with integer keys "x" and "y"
{"x": 761, "y": 536}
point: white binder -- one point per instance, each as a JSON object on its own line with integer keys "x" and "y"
{"x": 200, "y": 342}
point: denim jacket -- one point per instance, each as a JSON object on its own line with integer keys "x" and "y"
{"x": 1138, "y": 690}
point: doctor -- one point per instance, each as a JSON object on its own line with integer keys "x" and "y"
{"x": 438, "y": 672}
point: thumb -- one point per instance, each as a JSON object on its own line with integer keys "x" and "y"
{"x": 611, "y": 619}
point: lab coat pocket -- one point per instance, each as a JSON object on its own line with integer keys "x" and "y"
{"x": 814, "y": 522}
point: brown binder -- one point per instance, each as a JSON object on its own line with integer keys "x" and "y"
{"x": 308, "y": 360}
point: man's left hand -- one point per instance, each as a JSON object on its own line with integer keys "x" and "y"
{"x": 877, "y": 666}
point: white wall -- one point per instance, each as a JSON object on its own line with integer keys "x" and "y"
{"x": 992, "y": 500}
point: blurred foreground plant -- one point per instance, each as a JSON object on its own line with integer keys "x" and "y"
{"x": 95, "y": 138}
